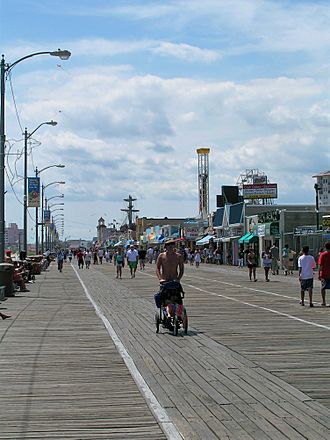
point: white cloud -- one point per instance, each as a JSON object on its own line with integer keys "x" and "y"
{"x": 186, "y": 52}
{"x": 132, "y": 130}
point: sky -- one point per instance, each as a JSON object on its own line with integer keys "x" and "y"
{"x": 147, "y": 84}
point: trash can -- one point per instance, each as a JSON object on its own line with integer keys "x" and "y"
{"x": 22, "y": 255}
{"x": 6, "y": 278}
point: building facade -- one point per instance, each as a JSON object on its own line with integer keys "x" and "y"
{"x": 13, "y": 236}
{"x": 322, "y": 188}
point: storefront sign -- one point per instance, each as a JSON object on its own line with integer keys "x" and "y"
{"x": 270, "y": 216}
{"x": 305, "y": 230}
{"x": 326, "y": 222}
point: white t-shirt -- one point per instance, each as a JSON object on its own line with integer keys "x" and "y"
{"x": 307, "y": 264}
{"x": 132, "y": 255}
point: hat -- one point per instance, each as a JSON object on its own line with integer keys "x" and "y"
{"x": 169, "y": 241}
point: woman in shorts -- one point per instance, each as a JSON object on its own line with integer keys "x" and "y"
{"x": 119, "y": 262}
{"x": 266, "y": 262}
{"x": 251, "y": 260}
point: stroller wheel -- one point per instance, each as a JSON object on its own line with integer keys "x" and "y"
{"x": 175, "y": 326}
{"x": 185, "y": 323}
{"x": 157, "y": 320}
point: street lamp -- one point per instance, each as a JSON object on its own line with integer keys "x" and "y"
{"x": 43, "y": 188}
{"x": 25, "y": 204}
{"x": 5, "y": 68}
{"x": 55, "y": 204}
{"x": 37, "y": 220}
{"x": 317, "y": 188}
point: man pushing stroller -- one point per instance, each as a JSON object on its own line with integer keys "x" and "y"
{"x": 169, "y": 266}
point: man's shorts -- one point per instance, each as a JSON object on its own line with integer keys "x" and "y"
{"x": 132, "y": 264}
{"x": 325, "y": 283}
{"x": 306, "y": 284}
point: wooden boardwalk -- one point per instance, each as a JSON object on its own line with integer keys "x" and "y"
{"x": 254, "y": 364}
{"x": 61, "y": 375}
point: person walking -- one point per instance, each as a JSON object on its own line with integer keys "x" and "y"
{"x": 150, "y": 254}
{"x": 88, "y": 258}
{"x": 60, "y": 259}
{"x": 100, "y": 255}
{"x": 142, "y": 258}
{"x": 80, "y": 258}
{"x": 217, "y": 255}
{"x": 240, "y": 260}
{"x": 266, "y": 263}
{"x": 251, "y": 260}
{"x": 119, "y": 262}
{"x": 170, "y": 264}
{"x": 70, "y": 255}
{"x": 132, "y": 256}
{"x": 275, "y": 253}
{"x": 306, "y": 267}
{"x": 324, "y": 271}
{"x": 197, "y": 258}
{"x": 285, "y": 259}
{"x": 291, "y": 265}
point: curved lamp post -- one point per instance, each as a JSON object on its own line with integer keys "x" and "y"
{"x": 43, "y": 187}
{"x": 25, "y": 198}
{"x": 37, "y": 172}
{"x": 5, "y": 68}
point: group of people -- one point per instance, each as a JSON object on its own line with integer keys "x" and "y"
{"x": 270, "y": 261}
{"x": 306, "y": 268}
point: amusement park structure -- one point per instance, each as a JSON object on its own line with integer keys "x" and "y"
{"x": 255, "y": 187}
{"x": 203, "y": 181}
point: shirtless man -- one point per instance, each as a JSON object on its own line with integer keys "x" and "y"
{"x": 169, "y": 265}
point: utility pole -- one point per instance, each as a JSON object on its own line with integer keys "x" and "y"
{"x": 130, "y": 210}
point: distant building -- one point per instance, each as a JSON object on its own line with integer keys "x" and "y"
{"x": 13, "y": 235}
{"x": 322, "y": 186}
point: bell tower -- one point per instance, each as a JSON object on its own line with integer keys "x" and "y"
{"x": 101, "y": 230}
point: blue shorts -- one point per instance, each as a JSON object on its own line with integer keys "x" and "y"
{"x": 325, "y": 282}
{"x": 306, "y": 284}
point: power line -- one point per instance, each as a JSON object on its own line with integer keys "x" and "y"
{"x": 14, "y": 101}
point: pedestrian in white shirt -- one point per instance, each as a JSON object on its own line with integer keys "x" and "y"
{"x": 150, "y": 254}
{"x": 132, "y": 256}
{"x": 306, "y": 266}
{"x": 100, "y": 255}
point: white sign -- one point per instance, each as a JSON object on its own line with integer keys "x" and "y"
{"x": 191, "y": 233}
{"x": 260, "y": 191}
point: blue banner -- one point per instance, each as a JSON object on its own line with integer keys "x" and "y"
{"x": 33, "y": 192}
{"x": 47, "y": 217}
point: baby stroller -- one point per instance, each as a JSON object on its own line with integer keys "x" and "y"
{"x": 172, "y": 314}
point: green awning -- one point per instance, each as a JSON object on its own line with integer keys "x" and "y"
{"x": 251, "y": 239}
{"x": 242, "y": 239}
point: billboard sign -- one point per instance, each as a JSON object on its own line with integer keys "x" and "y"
{"x": 260, "y": 191}
{"x": 33, "y": 192}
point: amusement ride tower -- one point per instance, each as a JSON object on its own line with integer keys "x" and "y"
{"x": 203, "y": 181}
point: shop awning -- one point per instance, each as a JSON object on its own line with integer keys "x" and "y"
{"x": 242, "y": 239}
{"x": 251, "y": 239}
{"x": 204, "y": 240}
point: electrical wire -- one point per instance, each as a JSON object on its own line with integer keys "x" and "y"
{"x": 14, "y": 192}
{"x": 14, "y": 101}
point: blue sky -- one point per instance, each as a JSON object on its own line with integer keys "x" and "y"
{"x": 149, "y": 82}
